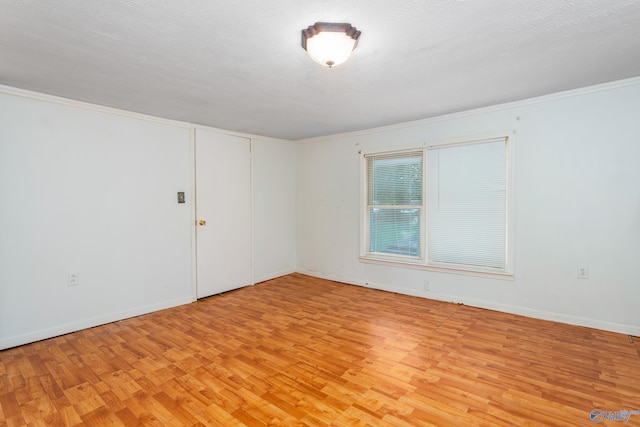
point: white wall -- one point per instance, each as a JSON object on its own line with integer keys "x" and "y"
{"x": 90, "y": 192}
{"x": 274, "y": 207}
{"x": 93, "y": 190}
{"x": 577, "y": 177}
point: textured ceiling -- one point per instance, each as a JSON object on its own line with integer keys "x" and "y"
{"x": 238, "y": 65}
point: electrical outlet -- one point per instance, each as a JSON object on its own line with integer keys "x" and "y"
{"x": 427, "y": 285}
{"x": 583, "y": 272}
{"x": 73, "y": 279}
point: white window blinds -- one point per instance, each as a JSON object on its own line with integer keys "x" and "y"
{"x": 395, "y": 203}
{"x": 467, "y": 196}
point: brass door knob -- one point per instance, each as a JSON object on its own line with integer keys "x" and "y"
{"x": 202, "y": 222}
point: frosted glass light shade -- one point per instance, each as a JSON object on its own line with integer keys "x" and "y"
{"x": 330, "y": 44}
{"x": 330, "y": 49}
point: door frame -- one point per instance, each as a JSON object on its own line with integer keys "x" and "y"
{"x": 192, "y": 200}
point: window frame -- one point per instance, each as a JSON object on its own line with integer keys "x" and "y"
{"x": 423, "y": 262}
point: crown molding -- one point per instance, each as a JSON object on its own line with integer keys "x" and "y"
{"x": 633, "y": 81}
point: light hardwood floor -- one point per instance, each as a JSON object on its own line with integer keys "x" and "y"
{"x": 303, "y": 351}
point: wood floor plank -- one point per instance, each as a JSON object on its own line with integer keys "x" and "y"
{"x": 302, "y": 351}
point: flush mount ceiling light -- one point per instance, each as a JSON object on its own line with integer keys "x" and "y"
{"x": 329, "y": 43}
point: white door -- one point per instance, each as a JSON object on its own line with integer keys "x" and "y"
{"x": 223, "y": 212}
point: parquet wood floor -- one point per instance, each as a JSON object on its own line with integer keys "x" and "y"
{"x": 300, "y": 351}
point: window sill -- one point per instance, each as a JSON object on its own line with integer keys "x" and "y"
{"x": 419, "y": 265}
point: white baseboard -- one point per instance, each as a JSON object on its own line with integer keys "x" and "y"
{"x": 273, "y": 276}
{"x": 489, "y": 305}
{"x": 88, "y": 323}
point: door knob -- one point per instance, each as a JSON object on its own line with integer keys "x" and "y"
{"x": 202, "y": 222}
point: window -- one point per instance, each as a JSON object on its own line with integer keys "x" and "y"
{"x": 461, "y": 223}
{"x": 395, "y": 204}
